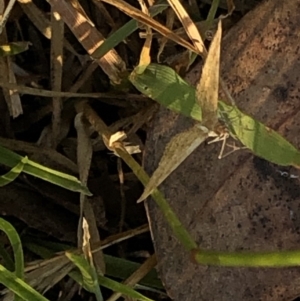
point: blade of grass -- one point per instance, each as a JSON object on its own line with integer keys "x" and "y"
{"x": 113, "y": 285}
{"x": 89, "y": 274}
{"x": 18, "y": 286}
{"x": 16, "y": 244}
{"x": 247, "y": 259}
{"x": 13, "y": 173}
{"x": 11, "y": 159}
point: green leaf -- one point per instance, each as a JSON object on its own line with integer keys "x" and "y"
{"x": 7, "y": 260}
{"x": 13, "y": 48}
{"x": 13, "y": 173}
{"x": 247, "y": 259}
{"x": 89, "y": 274}
{"x": 18, "y": 286}
{"x": 164, "y": 85}
{"x": 16, "y": 244}
{"x": 113, "y": 285}
{"x": 263, "y": 141}
{"x": 66, "y": 181}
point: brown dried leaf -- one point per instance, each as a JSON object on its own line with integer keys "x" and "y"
{"x": 176, "y": 151}
{"x": 208, "y": 88}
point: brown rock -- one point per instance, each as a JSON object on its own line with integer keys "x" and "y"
{"x": 240, "y": 202}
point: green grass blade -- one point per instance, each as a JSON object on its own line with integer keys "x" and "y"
{"x": 13, "y": 173}
{"x": 89, "y": 274}
{"x": 248, "y": 259}
{"x": 18, "y": 286}
{"x": 122, "y": 33}
{"x": 8, "y": 262}
{"x": 113, "y": 285}
{"x": 16, "y": 244}
{"x": 66, "y": 181}
{"x": 165, "y": 86}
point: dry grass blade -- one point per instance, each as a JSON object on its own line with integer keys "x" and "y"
{"x": 8, "y": 77}
{"x": 4, "y": 17}
{"x": 145, "y": 19}
{"x": 41, "y": 22}
{"x": 190, "y": 27}
{"x": 47, "y": 93}
{"x": 177, "y": 150}
{"x": 111, "y": 63}
{"x": 37, "y": 17}
{"x": 57, "y": 39}
{"x": 139, "y": 274}
{"x": 208, "y": 87}
{"x": 84, "y": 157}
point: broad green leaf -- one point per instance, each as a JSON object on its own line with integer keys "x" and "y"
{"x": 113, "y": 285}
{"x": 122, "y": 33}
{"x": 13, "y": 48}
{"x": 16, "y": 244}
{"x": 89, "y": 274}
{"x": 164, "y": 85}
{"x": 11, "y": 159}
{"x": 13, "y": 173}
{"x": 18, "y": 286}
{"x": 263, "y": 141}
